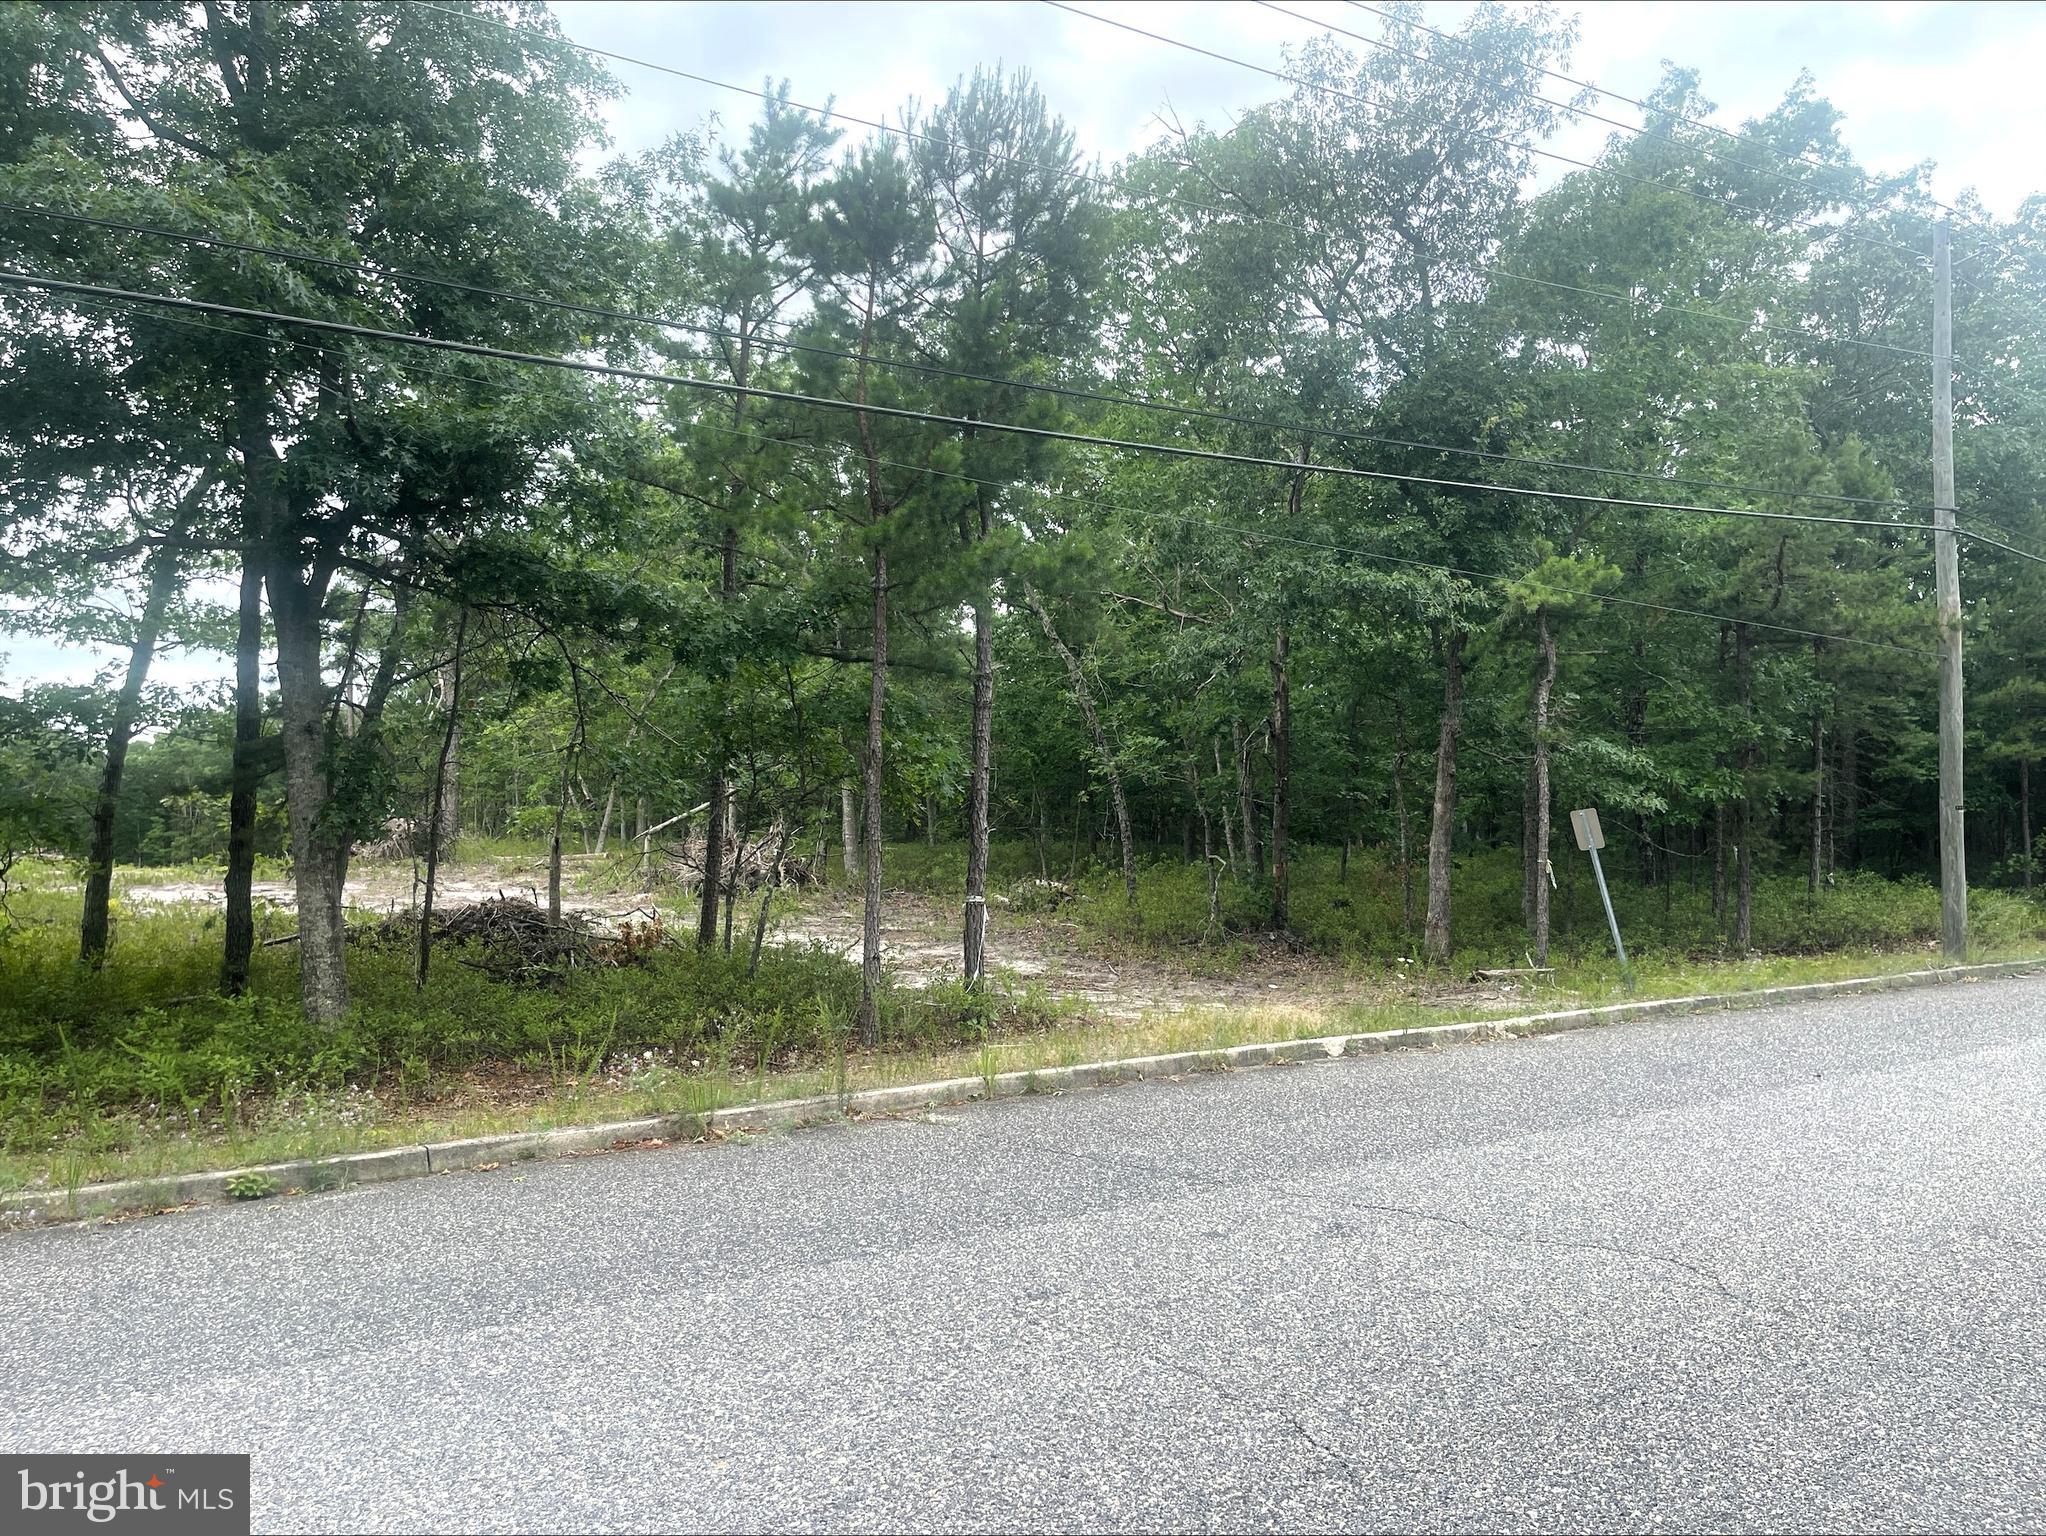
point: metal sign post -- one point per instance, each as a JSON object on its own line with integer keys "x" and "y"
{"x": 1590, "y": 838}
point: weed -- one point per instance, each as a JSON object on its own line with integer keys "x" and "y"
{"x": 252, "y": 1185}
{"x": 141, "y": 1068}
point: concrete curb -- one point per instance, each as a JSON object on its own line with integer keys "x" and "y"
{"x": 410, "y": 1162}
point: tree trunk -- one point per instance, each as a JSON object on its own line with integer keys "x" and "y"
{"x": 713, "y": 863}
{"x": 849, "y": 828}
{"x": 1545, "y": 687}
{"x": 371, "y": 715}
{"x": 554, "y": 848}
{"x": 869, "y": 1020}
{"x": 316, "y": 858}
{"x": 735, "y": 844}
{"x": 437, "y": 821}
{"x": 245, "y": 779}
{"x": 1637, "y": 738}
{"x": 1399, "y": 811}
{"x": 447, "y": 822}
{"x": 99, "y": 858}
{"x": 768, "y": 886}
{"x": 870, "y": 784}
{"x": 1719, "y": 810}
{"x": 973, "y": 942}
{"x": 1085, "y": 697}
{"x": 1744, "y": 857}
{"x": 570, "y": 755}
{"x": 1443, "y": 820}
{"x": 1282, "y": 752}
{"x": 1228, "y": 821}
{"x": 1246, "y": 802}
{"x": 296, "y": 580}
{"x": 1719, "y": 863}
{"x": 1815, "y": 874}
{"x": 720, "y": 783}
{"x": 1530, "y": 860}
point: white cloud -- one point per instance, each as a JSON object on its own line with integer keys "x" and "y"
{"x": 1950, "y": 83}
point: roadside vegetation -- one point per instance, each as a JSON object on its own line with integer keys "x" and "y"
{"x": 144, "y": 1067}
{"x": 987, "y": 603}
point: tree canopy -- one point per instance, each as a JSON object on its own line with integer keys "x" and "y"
{"x": 1301, "y": 481}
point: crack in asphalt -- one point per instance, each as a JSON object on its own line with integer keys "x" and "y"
{"x": 1348, "y": 1467}
{"x": 1714, "y": 1283}
{"x": 1534, "y": 1239}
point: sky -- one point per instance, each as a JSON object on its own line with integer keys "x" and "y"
{"x": 1953, "y": 84}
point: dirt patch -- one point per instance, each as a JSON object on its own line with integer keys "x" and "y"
{"x": 390, "y": 886}
{"x": 920, "y": 944}
{"x": 920, "y": 938}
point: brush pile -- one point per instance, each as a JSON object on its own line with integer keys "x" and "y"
{"x": 515, "y": 940}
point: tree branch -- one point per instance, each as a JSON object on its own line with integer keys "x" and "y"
{"x": 155, "y": 124}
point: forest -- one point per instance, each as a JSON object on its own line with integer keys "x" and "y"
{"x": 1249, "y": 550}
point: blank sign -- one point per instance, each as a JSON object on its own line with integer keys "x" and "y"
{"x": 1585, "y": 825}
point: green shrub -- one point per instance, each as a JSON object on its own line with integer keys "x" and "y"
{"x": 150, "y": 1035}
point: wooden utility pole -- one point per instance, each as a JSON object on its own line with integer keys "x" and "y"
{"x": 1953, "y": 853}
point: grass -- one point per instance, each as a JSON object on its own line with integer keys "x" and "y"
{"x": 141, "y": 1071}
{"x": 1356, "y": 914}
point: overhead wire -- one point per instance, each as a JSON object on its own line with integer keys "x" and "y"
{"x": 1179, "y": 451}
{"x": 1161, "y": 514}
{"x": 1299, "y": 541}
{"x": 1972, "y": 226}
{"x": 1338, "y": 92}
{"x": 915, "y": 135}
{"x": 401, "y": 275}
{"x": 1047, "y": 434}
{"x": 1639, "y": 130}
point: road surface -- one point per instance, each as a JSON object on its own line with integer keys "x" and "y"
{"x": 1778, "y": 1270}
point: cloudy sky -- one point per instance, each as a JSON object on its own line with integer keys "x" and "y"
{"x": 1954, "y": 84}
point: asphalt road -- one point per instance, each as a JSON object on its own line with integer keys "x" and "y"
{"x": 1772, "y": 1271}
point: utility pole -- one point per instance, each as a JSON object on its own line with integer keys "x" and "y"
{"x": 1953, "y": 851}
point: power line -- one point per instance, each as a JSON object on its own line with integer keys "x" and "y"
{"x": 1297, "y": 541}
{"x": 471, "y": 378}
{"x": 1659, "y": 306}
{"x": 903, "y": 413}
{"x": 2022, "y": 304}
{"x": 914, "y": 135}
{"x": 399, "y": 274}
{"x": 1637, "y": 129}
{"x": 1695, "y": 122}
{"x": 1020, "y": 384}
{"x": 1379, "y": 106}
{"x": 1156, "y": 514}
{"x": 829, "y": 113}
